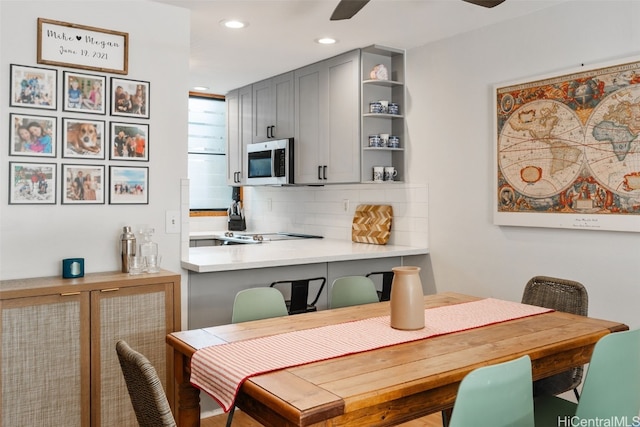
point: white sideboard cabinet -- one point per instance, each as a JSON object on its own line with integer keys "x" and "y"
{"x": 58, "y": 360}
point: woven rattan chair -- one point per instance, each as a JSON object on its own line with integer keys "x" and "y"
{"x": 561, "y": 295}
{"x": 145, "y": 389}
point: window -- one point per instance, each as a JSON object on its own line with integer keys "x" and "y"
{"x": 209, "y": 192}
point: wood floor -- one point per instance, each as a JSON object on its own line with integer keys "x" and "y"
{"x": 241, "y": 419}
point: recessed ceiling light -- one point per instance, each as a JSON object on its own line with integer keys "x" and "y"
{"x": 233, "y": 23}
{"x": 200, "y": 88}
{"x": 326, "y": 40}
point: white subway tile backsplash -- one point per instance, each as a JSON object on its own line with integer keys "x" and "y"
{"x": 320, "y": 210}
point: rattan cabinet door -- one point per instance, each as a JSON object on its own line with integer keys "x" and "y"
{"x": 140, "y": 315}
{"x": 44, "y": 360}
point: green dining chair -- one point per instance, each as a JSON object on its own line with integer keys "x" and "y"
{"x": 499, "y": 395}
{"x": 611, "y": 388}
{"x": 258, "y": 303}
{"x": 353, "y": 290}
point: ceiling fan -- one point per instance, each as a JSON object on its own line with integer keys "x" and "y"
{"x": 347, "y": 8}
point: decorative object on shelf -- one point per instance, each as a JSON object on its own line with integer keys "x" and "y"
{"x": 127, "y": 247}
{"x": 84, "y": 93}
{"x": 378, "y": 173}
{"x": 33, "y": 135}
{"x": 390, "y": 173}
{"x": 394, "y": 142}
{"x": 384, "y": 139}
{"x": 32, "y": 183}
{"x": 407, "y": 299}
{"x": 385, "y": 106}
{"x": 394, "y": 108}
{"x": 82, "y": 184}
{"x": 379, "y": 72}
{"x": 375, "y": 141}
{"x": 128, "y": 185}
{"x": 129, "y": 98}
{"x": 129, "y": 141}
{"x": 84, "y": 47}
{"x": 83, "y": 139}
{"x": 72, "y": 268}
{"x": 375, "y": 107}
{"x": 372, "y": 224}
{"x": 33, "y": 87}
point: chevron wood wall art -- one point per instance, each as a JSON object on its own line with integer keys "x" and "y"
{"x": 372, "y": 224}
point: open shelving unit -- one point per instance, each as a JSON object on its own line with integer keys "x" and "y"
{"x": 392, "y": 90}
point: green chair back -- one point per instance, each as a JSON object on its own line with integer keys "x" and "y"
{"x": 353, "y": 290}
{"x": 258, "y": 303}
{"x": 612, "y": 385}
{"x": 611, "y": 389}
{"x": 499, "y": 395}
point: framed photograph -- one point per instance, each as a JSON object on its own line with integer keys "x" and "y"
{"x": 33, "y": 87}
{"x": 129, "y": 98}
{"x": 32, "y": 135}
{"x": 83, "y": 139}
{"x": 84, "y": 93}
{"x": 84, "y": 47}
{"x": 129, "y": 141}
{"x": 82, "y": 184}
{"x": 32, "y": 183}
{"x": 128, "y": 185}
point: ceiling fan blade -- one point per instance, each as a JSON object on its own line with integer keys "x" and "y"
{"x": 485, "y": 3}
{"x": 347, "y": 8}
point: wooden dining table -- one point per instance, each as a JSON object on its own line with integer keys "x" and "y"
{"x": 385, "y": 386}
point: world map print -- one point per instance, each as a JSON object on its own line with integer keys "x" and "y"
{"x": 570, "y": 144}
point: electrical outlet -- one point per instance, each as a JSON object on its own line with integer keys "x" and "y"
{"x": 172, "y": 222}
{"x": 345, "y": 205}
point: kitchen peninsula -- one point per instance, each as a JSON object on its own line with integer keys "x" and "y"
{"x": 217, "y": 273}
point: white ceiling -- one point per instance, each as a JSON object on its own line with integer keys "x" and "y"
{"x": 281, "y": 33}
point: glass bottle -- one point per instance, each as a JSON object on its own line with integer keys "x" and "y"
{"x": 149, "y": 251}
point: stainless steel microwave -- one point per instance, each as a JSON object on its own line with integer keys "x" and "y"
{"x": 269, "y": 162}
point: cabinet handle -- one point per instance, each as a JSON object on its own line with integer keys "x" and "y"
{"x": 324, "y": 172}
{"x": 110, "y": 290}
{"x": 69, "y": 294}
{"x": 269, "y": 131}
{"x": 320, "y": 172}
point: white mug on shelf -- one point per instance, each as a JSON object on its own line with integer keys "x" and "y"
{"x": 384, "y": 139}
{"x": 378, "y": 173}
{"x": 390, "y": 173}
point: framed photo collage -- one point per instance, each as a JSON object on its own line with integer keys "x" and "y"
{"x": 96, "y": 124}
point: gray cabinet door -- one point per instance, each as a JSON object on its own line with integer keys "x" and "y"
{"x": 327, "y": 121}
{"x": 272, "y": 114}
{"x": 239, "y": 104}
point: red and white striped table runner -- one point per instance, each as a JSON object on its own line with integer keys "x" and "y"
{"x": 220, "y": 370}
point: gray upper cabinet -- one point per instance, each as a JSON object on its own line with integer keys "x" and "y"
{"x": 239, "y": 131}
{"x": 272, "y": 113}
{"x": 327, "y": 121}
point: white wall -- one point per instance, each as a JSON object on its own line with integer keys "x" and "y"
{"x": 450, "y": 86}
{"x": 35, "y": 238}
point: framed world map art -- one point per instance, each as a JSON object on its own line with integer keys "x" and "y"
{"x": 567, "y": 150}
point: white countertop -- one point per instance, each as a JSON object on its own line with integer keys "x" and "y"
{"x": 288, "y": 252}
